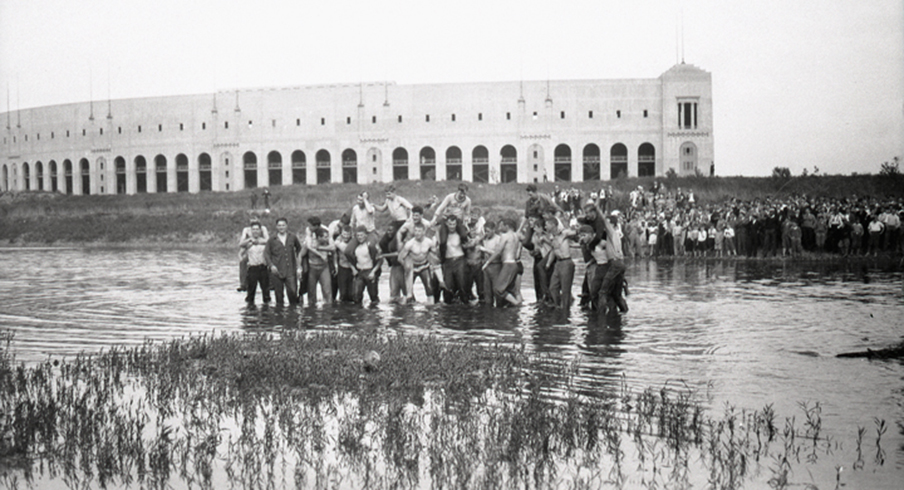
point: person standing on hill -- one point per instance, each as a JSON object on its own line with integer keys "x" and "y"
{"x": 282, "y": 254}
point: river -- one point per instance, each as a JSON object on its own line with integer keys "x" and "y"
{"x": 745, "y": 333}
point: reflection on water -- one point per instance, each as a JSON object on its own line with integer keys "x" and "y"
{"x": 750, "y": 333}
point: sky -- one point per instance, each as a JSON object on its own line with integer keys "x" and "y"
{"x": 803, "y": 84}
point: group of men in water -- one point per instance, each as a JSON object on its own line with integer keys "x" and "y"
{"x": 458, "y": 255}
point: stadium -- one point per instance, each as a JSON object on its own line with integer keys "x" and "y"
{"x": 520, "y": 131}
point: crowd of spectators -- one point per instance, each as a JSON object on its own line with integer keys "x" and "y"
{"x": 664, "y": 222}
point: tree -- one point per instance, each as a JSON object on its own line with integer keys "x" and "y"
{"x": 891, "y": 168}
{"x": 781, "y": 172}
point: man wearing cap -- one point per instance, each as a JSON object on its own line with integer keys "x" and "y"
{"x": 243, "y": 253}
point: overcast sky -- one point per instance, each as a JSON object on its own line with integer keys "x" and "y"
{"x": 796, "y": 84}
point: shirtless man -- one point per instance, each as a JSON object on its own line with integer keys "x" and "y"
{"x": 504, "y": 282}
{"x": 415, "y": 257}
{"x": 563, "y": 272}
{"x": 366, "y": 260}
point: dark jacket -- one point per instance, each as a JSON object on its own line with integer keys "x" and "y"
{"x": 284, "y": 257}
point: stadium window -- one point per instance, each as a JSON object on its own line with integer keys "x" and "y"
{"x": 535, "y": 167}
{"x": 480, "y": 116}
{"x": 250, "y": 123}
{"x": 373, "y": 119}
{"x": 618, "y": 114}
{"x": 400, "y": 118}
{"x": 562, "y": 115}
{"x": 590, "y": 115}
{"x": 375, "y": 170}
{"x": 51, "y": 134}
{"x": 203, "y": 126}
{"x": 374, "y": 159}
{"x": 159, "y": 127}
{"x": 39, "y": 136}
{"x": 225, "y": 124}
{"x": 298, "y": 122}
{"x": 323, "y": 121}
{"x": 535, "y": 115}
{"x": 273, "y": 123}
{"x": 508, "y": 116}
{"x": 67, "y": 133}
{"x": 101, "y": 131}
{"x": 118, "y": 131}
{"x": 687, "y": 115}
{"x": 26, "y": 137}
{"x": 428, "y": 118}
{"x": 181, "y": 127}
{"x": 536, "y": 155}
{"x": 348, "y": 120}
{"x": 83, "y": 134}
{"x": 453, "y": 117}
{"x": 227, "y": 185}
{"x": 645, "y": 113}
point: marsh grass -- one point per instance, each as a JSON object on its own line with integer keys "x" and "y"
{"x": 340, "y": 410}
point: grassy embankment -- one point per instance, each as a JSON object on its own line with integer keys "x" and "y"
{"x": 216, "y": 218}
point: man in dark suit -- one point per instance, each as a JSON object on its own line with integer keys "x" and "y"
{"x": 281, "y": 254}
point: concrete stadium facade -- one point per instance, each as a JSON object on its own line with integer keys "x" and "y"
{"x": 536, "y": 131}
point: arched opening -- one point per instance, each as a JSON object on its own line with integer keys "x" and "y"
{"x": 349, "y": 166}
{"x": 508, "y": 164}
{"x": 26, "y": 174}
{"x": 299, "y": 162}
{"x": 205, "y": 172}
{"x": 324, "y": 170}
{"x": 39, "y": 175}
{"x": 428, "y": 163}
{"x": 120, "y": 164}
{"x": 160, "y": 172}
{"x": 274, "y": 168}
{"x": 54, "y": 176}
{"x": 181, "y": 173}
{"x": 480, "y": 164}
{"x": 646, "y": 160}
{"x": 141, "y": 175}
{"x": 5, "y": 178}
{"x": 687, "y": 156}
{"x": 249, "y": 165}
{"x": 618, "y": 161}
{"x": 400, "y": 164}
{"x": 453, "y": 163}
{"x": 591, "y": 162}
{"x": 562, "y": 161}
{"x": 85, "y": 172}
{"x": 67, "y": 176}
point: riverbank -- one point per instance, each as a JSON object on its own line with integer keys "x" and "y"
{"x": 40, "y": 218}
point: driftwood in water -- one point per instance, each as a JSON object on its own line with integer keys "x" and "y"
{"x": 896, "y": 352}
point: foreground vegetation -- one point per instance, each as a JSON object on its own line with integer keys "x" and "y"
{"x": 211, "y": 218}
{"x": 343, "y": 410}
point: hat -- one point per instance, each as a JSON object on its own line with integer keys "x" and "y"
{"x": 585, "y": 229}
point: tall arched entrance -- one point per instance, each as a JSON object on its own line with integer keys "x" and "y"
{"x": 160, "y": 173}
{"x": 120, "y": 164}
{"x": 299, "y": 167}
{"x": 453, "y": 163}
{"x": 141, "y": 175}
{"x": 591, "y": 162}
{"x": 181, "y": 173}
{"x": 480, "y": 164}
{"x": 563, "y": 163}
{"x": 428, "y": 163}
{"x": 618, "y": 161}
{"x": 324, "y": 167}
{"x": 205, "y": 172}
{"x": 508, "y": 164}
{"x": 349, "y": 166}
{"x": 274, "y": 168}
{"x": 67, "y": 176}
{"x": 646, "y": 160}
{"x": 249, "y": 164}
{"x": 399, "y": 164}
